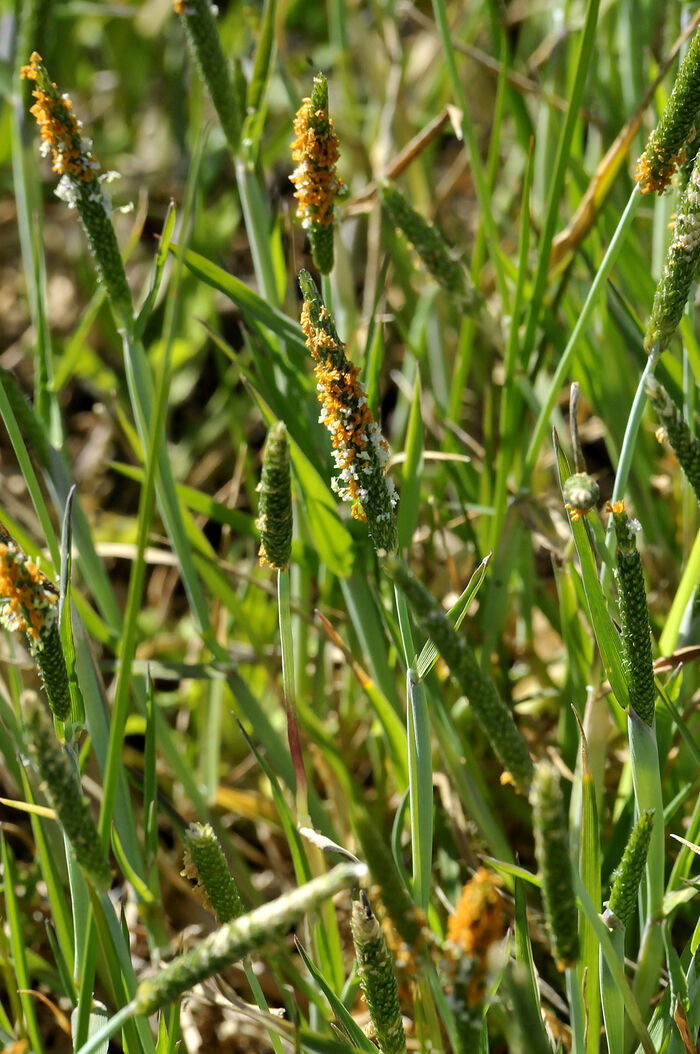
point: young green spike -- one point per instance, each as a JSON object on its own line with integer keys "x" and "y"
{"x": 554, "y": 862}
{"x": 674, "y": 428}
{"x": 206, "y": 863}
{"x": 360, "y": 451}
{"x": 628, "y": 876}
{"x": 377, "y": 979}
{"x": 64, "y": 793}
{"x": 203, "y": 38}
{"x": 666, "y": 148}
{"x": 275, "y": 511}
{"x": 491, "y": 712}
{"x": 634, "y": 617}
{"x": 429, "y": 244}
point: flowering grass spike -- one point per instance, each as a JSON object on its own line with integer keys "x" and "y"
{"x": 29, "y": 605}
{"x": 634, "y": 617}
{"x": 62, "y": 786}
{"x": 628, "y": 876}
{"x": 674, "y": 428}
{"x": 360, "y": 451}
{"x": 80, "y": 185}
{"x": 680, "y": 270}
{"x": 377, "y": 979}
{"x": 315, "y": 151}
{"x": 554, "y": 862}
{"x": 430, "y": 245}
{"x": 581, "y": 494}
{"x": 666, "y": 148}
{"x": 198, "y": 19}
{"x": 275, "y": 512}
{"x": 476, "y": 925}
{"x": 205, "y": 862}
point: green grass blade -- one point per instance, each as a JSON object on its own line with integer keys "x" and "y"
{"x": 420, "y": 770}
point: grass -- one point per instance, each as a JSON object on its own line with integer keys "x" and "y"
{"x": 347, "y": 749}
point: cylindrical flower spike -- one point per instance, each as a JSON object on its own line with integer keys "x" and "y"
{"x": 681, "y": 266}
{"x": 666, "y": 148}
{"x": 628, "y": 876}
{"x": 241, "y": 936}
{"x": 80, "y": 185}
{"x": 315, "y": 151}
{"x": 684, "y": 445}
{"x": 360, "y": 451}
{"x": 634, "y": 617}
{"x": 206, "y": 863}
{"x": 377, "y": 979}
{"x": 202, "y": 35}
{"x": 472, "y": 930}
{"x": 64, "y": 793}
{"x": 554, "y": 862}
{"x": 430, "y": 246}
{"x": 29, "y": 604}
{"x": 275, "y": 512}
{"x": 491, "y": 712}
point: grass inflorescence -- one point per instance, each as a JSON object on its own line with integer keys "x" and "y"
{"x": 312, "y": 594}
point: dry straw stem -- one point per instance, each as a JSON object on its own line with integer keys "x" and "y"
{"x": 29, "y": 604}
{"x": 205, "y": 862}
{"x": 680, "y": 269}
{"x": 674, "y": 428}
{"x": 360, "y": 451}
{"x": 63, "y": 790}
{"x": 275, "y": 510}
{"x": 491, "y": 712}
{"x": 628, "y": 876}
{"x": 198, "y": 19}
{"x": 634, "y": 617}
{"x": 241, "y": 936}
{"x": 377, "y": 979}
{"x": 80, "y": 185}
{"x": 315, "y": 152}
{"x": 554, "y": 862}
{"x": 666, "y": 148}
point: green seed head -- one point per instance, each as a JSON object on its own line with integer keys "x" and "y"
{"x": 63, "y": 790}
{"x": 206, "y": 863}
{"x": 203, "y": 38}
{"x": 377, "y": 980}
{"x": 275, "y": 512}
{"x": 634, "y": 617}
{"x": 628, "y": 876}
{"x": 429, "y": 244}
{"x": 554, "y": 862}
